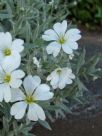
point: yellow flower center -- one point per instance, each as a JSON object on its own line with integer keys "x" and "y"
{"x": 7, "y": 78}
{"x": 61, "y": 40}
{"x": 29, "y": 99}
{"x": 7, "y": 52}
{"x": 59, "y": 71}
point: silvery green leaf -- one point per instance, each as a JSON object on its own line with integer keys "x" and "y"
{"x": 44, "y": 124}
{"x": 81, "y": 61}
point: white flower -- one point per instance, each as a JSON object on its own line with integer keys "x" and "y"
{"x": 60, "y": 77}
{"x": 9, "y": 78}
{"x": 10, "y": 50}
{"x": 36, "y": 62}
{"x": 34, "y": 91}
{"x": 60, "y": 37}
{"x": 71, "y": 56}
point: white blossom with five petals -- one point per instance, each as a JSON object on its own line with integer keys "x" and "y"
{"x": 60, "y": 77}
{"x": 60, "y": 37}
{"x": 34, "y": 92}
{"x": 10, "y": 77}
{"x": 10, "y": 50}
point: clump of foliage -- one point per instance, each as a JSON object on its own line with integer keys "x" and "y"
{"x": 27, "y": 20}
{"x": 88, "y": 12}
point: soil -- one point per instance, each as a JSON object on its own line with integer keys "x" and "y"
{"x": 87, "y": 122}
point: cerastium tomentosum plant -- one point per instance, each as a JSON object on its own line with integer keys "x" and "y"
{"x": 41, "y": 69}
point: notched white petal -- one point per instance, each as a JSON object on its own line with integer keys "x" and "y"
{"x": 18, "y": 110}
{"x": 30, "y": 83}
{"x": 17, "y": 45}
{"x": 16, "y": 95}
{"x": 35, "y": 112}
{"x": 43, "y": 92}
{"x": 36, "y": 81}
{"x": 53, "y": 48}
{"x": 17, "y": 74}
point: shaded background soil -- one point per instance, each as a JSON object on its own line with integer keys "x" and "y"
{"x": 88, "y": 122}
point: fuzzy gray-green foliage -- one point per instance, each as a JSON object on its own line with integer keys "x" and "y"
{"x": 28, "y": 19}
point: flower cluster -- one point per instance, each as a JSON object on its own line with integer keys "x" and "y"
{"x": 60, "y": 37}
{"x": 25, "y": 94}
{"x": 10, "y": 59}
{"x": 11, "y": 81}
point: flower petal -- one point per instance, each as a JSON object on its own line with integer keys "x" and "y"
{"x": 64, "y": 80}
{"x": 30, "y": 83}
{"x": 64, "y": 27}
{"x": 35, "y": 112}
{"x": 17, "y": 74}
{"x": 7, "y": 64}
{"x": 2, "y": 57}
{"x": 55, "y": 79}
{"x": 36, "y": 81}
{"x": 73, "y": 34}
{"x": 69, "y": 73}
{"x": 18, "y": 110}
{"x": 57, "y": 27}
{"x": 69, "y": 81}
{"x": 73, "y": 45}
{"x": 63, "y": 83}
{"x": 6, "y": 92}
{"x": 16, "y": 95}
{"x": 17, "y": 45}
{"x": 66, "y": 48}
{"x": 15, "y": 83}
{"x": 65, "y": 77}
{"x": 32, "y": 115}
{"x": 73, "y": 31}
{"x": 49, "y": 77}
{"x": 5, "y": 40}
{"x": 16, "y": 55}
{"x": 43, "y": 92}
{"x": 49, "y": 35}
{"x": 53, "y": 48}
{"x": 1, "y": 75}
